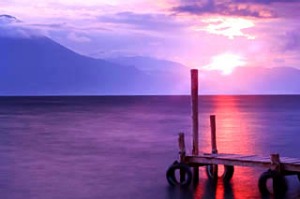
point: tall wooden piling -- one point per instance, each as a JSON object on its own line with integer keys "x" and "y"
{"x": 194, "y": 93}
{"x": 214, "y": 149}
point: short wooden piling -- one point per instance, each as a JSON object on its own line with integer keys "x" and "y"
{"x": 194, "y": 93}
{"x": 275, "y": 162}
{"x": 213, "y": 134}
{"x": 181, "y": 145}
{"x": 213, "y": 145}
{"x": 279, "y": 183}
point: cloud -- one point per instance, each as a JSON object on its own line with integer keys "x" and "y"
{"x": 78, "y": 38}
{"x": 8, "y": 19}
{"x": 146, "y": 21}
{"x": 228, "y": 26}
{"x": 226, "y": 7}
{"x": 10, "y": 26}
{"x": 263, "y": 1}
{"x": 291, "y": 41}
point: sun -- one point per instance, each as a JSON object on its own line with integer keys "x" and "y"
{"x": 226, "y": 63}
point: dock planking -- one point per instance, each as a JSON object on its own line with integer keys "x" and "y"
{"x": 289, "y": 164}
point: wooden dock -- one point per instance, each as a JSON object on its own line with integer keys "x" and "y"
{"x": 289, "y": 164}
{"x": 276, "y": 167}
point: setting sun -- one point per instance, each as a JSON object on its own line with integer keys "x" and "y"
{"x": 225, "y": 63}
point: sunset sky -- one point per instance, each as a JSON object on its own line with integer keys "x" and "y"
{"x": 197, "y": 33}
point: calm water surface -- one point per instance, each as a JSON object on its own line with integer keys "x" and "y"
{"x": 120, "y": 147}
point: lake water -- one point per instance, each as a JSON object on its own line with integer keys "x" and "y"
{"x": 120, "y": 147}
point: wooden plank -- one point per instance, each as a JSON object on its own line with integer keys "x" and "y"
{"x": 210, "y": 160}
{"x": 264, "y": 158}
{"x": 221, "y": 156}
{"x": 250, "y": 157}
{"x": 247, "y": 158}
{"x": 289, "y": 164}
{"x": 233, "y": 162}
{"x": 230, "y": 156}
{"x": 295, "y": 163}
{"x": 237, "y": 157}
{"x": 292, "y": 167}
{"x": 289, "y": 159}
{"x": 259, "y": 158}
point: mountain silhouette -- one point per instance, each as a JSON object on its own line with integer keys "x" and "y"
{"x": 39, "y": 66}
{"x": 150, "y": 64}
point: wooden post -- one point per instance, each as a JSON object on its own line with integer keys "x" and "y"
{"x": 194, "y": 93}
{"x": 275, "y": 162}
{"x": 214, "y": 150}
{"x": 213, "y": 134}
{"x": 279, "y": 184}
{"x": 181, "y": 144}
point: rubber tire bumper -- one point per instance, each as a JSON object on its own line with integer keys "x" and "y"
{"x": 211, "y": 172}
{"x": 279, "y": 183}
{"x": 171, "y": 176}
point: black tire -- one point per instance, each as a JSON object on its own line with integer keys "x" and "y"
{"x": 262, "y": 182}
{"x": 279, "y": 183}
{"x": 212, "y": 172}
{"x": 171, "y": 177}
{"x": 228, "y": 172}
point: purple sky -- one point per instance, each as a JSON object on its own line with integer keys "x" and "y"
{"x": 197, "y": 33}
